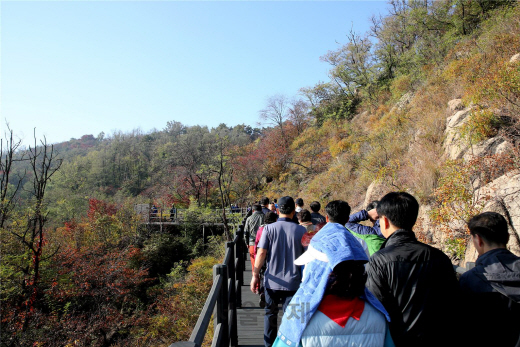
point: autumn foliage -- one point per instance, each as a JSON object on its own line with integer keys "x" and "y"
{"x": 79, "y": 270}
{"x": 97, "y": 290}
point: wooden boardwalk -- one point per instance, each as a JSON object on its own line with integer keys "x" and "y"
{"x": 250, "y": 318}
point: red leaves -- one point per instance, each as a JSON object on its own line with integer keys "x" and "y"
{"x": 96, "y": 293}
{"x": 100, "y": 273}
{"x": 100, "y": 207}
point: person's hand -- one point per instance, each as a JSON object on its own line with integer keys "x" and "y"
{"x": 372, "y": 214}
{"x": 255, "y": 283}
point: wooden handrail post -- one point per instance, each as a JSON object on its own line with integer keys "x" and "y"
{"x": 246, "y": 250}
{"x": 232, "y": 295}
{"x": 221, "y": 316}
{"x": 240, "y": 255}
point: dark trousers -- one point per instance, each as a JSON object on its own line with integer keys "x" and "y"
{"x": 272, "y": 299}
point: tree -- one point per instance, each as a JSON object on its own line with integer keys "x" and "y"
{"x": 44, "y": 164}
{"x": 354, "y": 68}
{"x": 299, "y": 115}
{"x": 224, "y": 173}
{"x": 26, "y": 239}
{"x": 8, "y": 148}
{"x": 276, "y": 112}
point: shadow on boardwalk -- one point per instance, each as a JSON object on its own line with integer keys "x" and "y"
{"x": 250, "y": 318}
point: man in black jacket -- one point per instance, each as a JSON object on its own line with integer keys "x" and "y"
{"x": 415, "y": 282}
{"x": 491, "y": 290}
{"x": 316, "y": 217}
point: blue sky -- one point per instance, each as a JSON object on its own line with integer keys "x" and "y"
{"x": 69, "y": 68}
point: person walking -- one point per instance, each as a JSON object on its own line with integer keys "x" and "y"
{"x": 253, "y": 222}
{"x": 333, "y": 307}
{"x": 279, "y": 245}
{"x": 415, "y": 282}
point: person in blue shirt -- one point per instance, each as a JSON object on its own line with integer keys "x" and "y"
{"x": 279, "y": 246}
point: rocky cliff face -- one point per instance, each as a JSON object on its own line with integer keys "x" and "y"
{"x": 502, "y": 194}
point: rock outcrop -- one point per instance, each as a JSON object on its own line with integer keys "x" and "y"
{"x": 494, "y": 145}
{"x": 454, "y": 145}
{"x": 376, "y": 190}
{"x": 455, "y": 105}
{"x": 502, "y": 195}
{"x": 403, "y": 102}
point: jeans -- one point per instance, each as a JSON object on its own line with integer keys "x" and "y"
{"x": 272, "y": 299}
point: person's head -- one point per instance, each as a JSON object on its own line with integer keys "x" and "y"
{"x": 372, "y": 212}
{"x": 257, "y": 207}
{"x": 397, "y": 210}
{"x": 272, "y": 207}
{"x": 338, "y": 211}
{"x": 264, "y": 201}
{"x": 348, "y": 279}
{"x": 372, "y": 205}
{"x": 270, "y": 217}
{"x": 315, "y": 206}
{"x": 299, "y": 202}
{"x": 286, "y": 205}
{"x": 488, "y": 231}
{"x": 304, "y": 216}
{"x": 275, "y": 201}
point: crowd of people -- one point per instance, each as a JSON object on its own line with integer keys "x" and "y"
{"x": 342, "y": 283}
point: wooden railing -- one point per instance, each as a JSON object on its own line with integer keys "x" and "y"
{"x": 179, "y": 215}
{"x": 223, "y": 299}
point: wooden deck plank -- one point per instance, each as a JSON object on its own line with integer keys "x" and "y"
{"x": 250, "y": 318}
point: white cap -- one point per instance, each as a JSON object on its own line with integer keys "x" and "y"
{"x": 309, "y": 255}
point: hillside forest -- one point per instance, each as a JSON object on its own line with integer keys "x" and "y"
{"x": 408, "y": 106}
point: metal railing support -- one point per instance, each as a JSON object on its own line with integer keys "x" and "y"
{"x": 240, "y": 255}
{"x": 233, "y": 291}
{"x": 224, "y": 297}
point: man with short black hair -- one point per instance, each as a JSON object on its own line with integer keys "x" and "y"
{"x": 279, "y": 245}
{"x": 265, "y": 205}
{"x": 316, "y": 217}
{"x": 415, "y": 282}
{"x": 491, "y": 290}
{"x": 337, "y": 211}
{"x": 252, "y": 224}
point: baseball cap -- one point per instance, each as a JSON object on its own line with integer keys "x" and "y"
{"x": 286, "y": 202}
{"x": 309, "y": 255}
